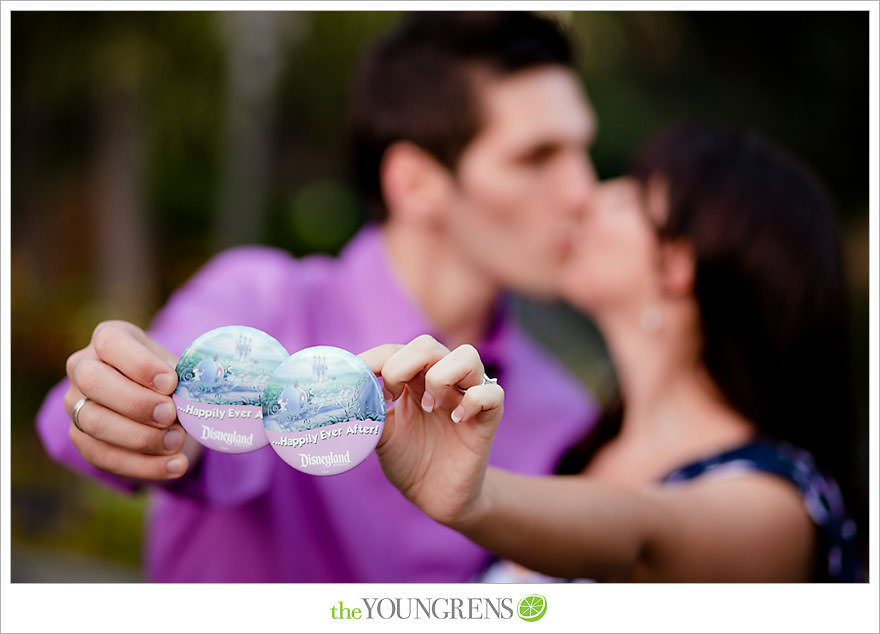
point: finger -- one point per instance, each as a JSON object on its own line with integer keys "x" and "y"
{"x": 158, "y": 349}
{"x": 127, "y": 463}
{"x": 461, "y": 368}
{"x": 376, "y": 357}
{"x": 164, "y": 354}
{"x": 71, "y": 396}
{"x": 387, "y": 430}
{"x": 101, "y": 383}
{"x": 104, "y": 424}
{"x": 76, "y": 358}
{"x": 410, "y": 361}
{"x": 124, "y": 347}
{"x": 480, "y": 403}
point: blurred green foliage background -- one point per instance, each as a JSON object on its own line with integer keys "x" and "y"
{"x": 145, "y": 142}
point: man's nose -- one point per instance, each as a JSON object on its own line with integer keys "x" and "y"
{"x": 578, "y": 183}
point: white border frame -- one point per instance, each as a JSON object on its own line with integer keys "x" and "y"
{"x": 306, "y": 607}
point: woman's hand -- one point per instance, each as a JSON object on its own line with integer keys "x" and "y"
{"x": 436, "y": 442}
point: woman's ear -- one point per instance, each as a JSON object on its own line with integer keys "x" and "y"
{"x": 415, "y": 186}
{"x": 677, "y": 268}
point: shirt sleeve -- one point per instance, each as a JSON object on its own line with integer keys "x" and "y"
{"x": 249, "y": 286}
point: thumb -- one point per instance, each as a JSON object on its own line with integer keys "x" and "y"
{"x": 387, "y": 430}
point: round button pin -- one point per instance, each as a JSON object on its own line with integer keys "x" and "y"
{"x": 221, "y": 377}
{"x": 323, "y": 410}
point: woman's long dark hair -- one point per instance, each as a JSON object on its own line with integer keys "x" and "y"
{"x": 770, "y": 290}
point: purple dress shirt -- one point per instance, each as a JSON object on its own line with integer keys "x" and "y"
{"x": 251, "y": 517}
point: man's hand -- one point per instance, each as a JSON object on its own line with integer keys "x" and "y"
{"x": 129, "y": 424}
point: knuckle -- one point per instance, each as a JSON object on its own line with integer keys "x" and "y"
{"x": 424, "y": 340}
{"x": 392, "y": 380}
{"x": 95, "y": 426}
{"x": 110, "y": 323}
{"x": 104, "y": 339}
{"x": 85, "y": 378}
{"x": 391, "y": 371}
{"x": 143, "y": 368}
{"x": 433, "y": 378}
{"x": 141, "y": 406}
{"x": 427, "y": 343}
{"x": 144, "y": 441}
{"x": 472, "y": 355}
{"x": 69, "y": 399}
{"x": 468, "y": 350}
{"x": 71, "y": 363}
{"x": 100, "y": 328}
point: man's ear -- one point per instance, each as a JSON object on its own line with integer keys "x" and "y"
{"x": 415, "y": 186}
{"x": 677, "y": 268}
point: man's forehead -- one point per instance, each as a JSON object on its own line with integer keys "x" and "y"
{"x": 539, "y": 105}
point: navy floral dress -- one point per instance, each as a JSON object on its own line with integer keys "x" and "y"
{"x": 838, "y": 557}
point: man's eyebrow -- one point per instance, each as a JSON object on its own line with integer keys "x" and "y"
{"x": 545, "y": 147}
{"x": 538, "y": 149}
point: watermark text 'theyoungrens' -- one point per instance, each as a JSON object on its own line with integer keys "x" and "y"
{"x": 433, "y": 608}
{"x": 530, "y": 608}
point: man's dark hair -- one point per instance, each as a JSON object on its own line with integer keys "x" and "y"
{"x": 416, "y": 84}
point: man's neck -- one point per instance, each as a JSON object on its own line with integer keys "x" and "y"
{"x": 457, "y": 299}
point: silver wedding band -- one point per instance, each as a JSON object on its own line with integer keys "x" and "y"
{"x": 74, "y": 415}
{"x": 486, "y": 381}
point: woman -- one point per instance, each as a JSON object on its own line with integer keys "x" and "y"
{"x": 713, "y": 270}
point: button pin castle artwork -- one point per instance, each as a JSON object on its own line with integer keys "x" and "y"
{"x": 221, "y": 378}
{"x": 323, "y": 410}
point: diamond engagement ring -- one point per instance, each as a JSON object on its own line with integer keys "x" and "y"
{"x": 74, "y": 415}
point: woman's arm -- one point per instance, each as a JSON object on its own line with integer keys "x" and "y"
{"x": 563, "y": 526}
{"x": 751, "y": 527}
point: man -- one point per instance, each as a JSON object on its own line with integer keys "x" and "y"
{"x": 469, "y": 136}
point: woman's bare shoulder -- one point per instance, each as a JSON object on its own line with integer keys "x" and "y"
{"x": 730, "y": 525}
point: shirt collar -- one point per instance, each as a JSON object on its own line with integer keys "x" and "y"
{"x": 394, "y": 315}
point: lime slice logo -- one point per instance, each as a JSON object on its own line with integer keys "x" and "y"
{"x": 532, "y": 608}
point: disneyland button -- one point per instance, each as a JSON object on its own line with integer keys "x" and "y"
{"x": 221, "y": 378}
{"x": 323, "y": 410}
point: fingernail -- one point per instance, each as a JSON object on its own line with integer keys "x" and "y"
{"x": 427, "y": 402}
{"x": 164, "y": 413}
{"x": 175, "y": 466}
{"x": 164, "y": 382}
{"x": 173, "y": 439}
{"x": 457, "y": 413}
